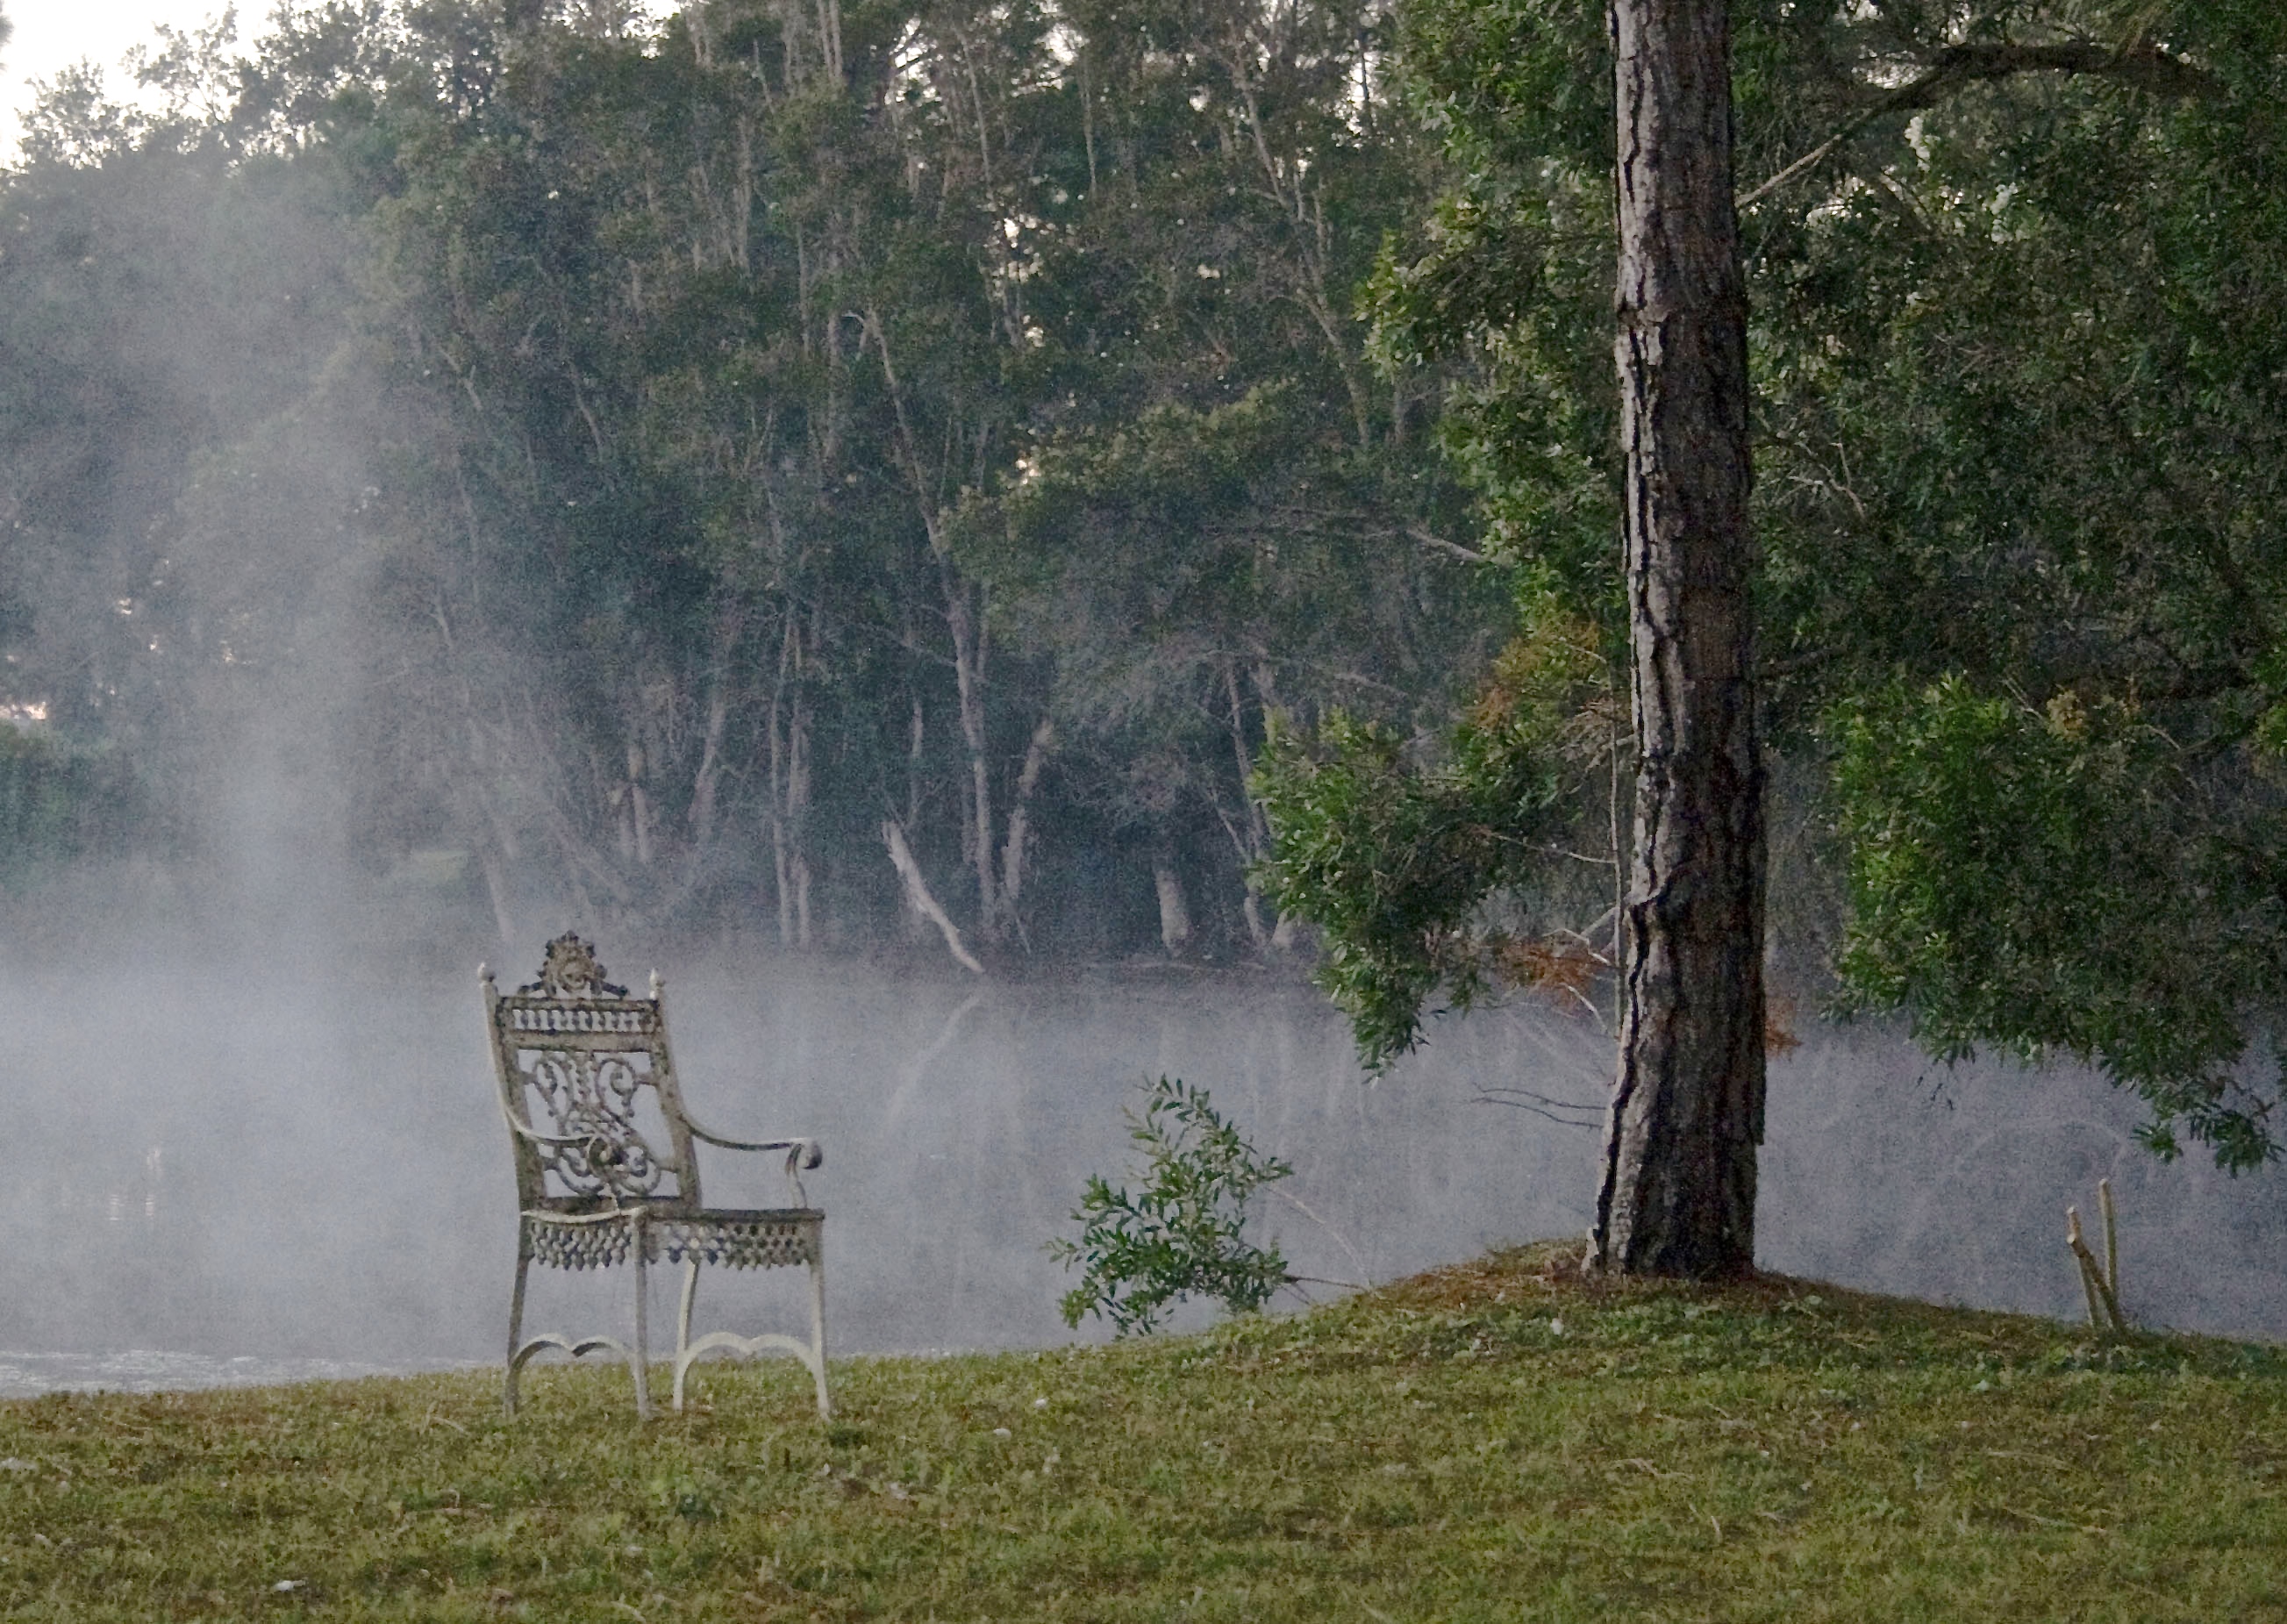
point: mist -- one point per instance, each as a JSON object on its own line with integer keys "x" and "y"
{"x": 246, "y": 1164}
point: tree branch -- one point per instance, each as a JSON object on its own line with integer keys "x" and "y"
{"x": 1438, "y": 543}
{"x": 2140, "y": 64}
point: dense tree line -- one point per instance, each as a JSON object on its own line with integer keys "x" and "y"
{"x": 976, "y": 471}
{"x": 811, "y": 464}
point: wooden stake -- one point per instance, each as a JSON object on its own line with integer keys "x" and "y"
{"x": 2103, "y": 1301}
{"x": 2081, "y": 1266}
{"x": 2111, "y": 1238}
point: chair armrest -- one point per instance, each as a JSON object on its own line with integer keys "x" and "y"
{"x": 537, "y": 1138}
{"x": 801, "y": 1154}
{"x": 809, "y": 1150}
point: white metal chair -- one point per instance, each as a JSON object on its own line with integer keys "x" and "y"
{"x": 606, "y": 1169}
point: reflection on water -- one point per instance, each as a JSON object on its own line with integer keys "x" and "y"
{"x": 297, "y": 1175}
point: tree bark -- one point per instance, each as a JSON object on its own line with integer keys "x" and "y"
{"x": 1678, "y": 1196}
{"x": 706, "y": 780}
{"x": 783, "y": 736}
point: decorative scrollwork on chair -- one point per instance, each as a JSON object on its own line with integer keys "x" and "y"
{"x": 581, "y": 1067}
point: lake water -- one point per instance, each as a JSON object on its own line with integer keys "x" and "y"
{"x": 214, "y": 1177}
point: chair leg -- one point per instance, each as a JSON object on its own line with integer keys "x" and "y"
{"x": 515, "y": 1330}
{"x": 682, "y": 1325}
{"x": 818, "y": 1333}
{"x": 640, "y": 1360}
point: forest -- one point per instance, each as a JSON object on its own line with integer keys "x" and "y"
{"x": 1056, "y": 480}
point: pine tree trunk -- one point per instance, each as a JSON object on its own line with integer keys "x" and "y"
{"x": 1679, "y": 1180}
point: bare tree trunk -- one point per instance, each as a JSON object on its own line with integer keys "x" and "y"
{"x": 788, "y": 737}
{"x": 968, "y": 656}
{"x": 829, "y": 37}
{"x": 782, "y": 850}
{"x": 1020, "y": 818}
{"x": 709, "y": 773}
{"x": 797, "y": 816}
{"x": 496, "y": 891}
{"x": 1287, "y": 932}
{"x": 1174, "y": 912}
{"x": 1678, "y": 1195}
{"x": 640, "y": 805}
{"x": 1253, "y": 834}
{"x": 913, "y": 922}
{"x": 920, "y": 898}
{"x": 965, "y": 620}
{"x": 782, "y": 879}
{"x": 707, "y": 780}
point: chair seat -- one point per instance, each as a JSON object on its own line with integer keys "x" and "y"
{"x": 730, "y": 1237}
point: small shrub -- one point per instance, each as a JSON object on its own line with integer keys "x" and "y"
{"x": 1184, "y": 1234}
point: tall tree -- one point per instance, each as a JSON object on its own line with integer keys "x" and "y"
{"x": 1678, "y": 1195}
{"x": 2017, "y": 515}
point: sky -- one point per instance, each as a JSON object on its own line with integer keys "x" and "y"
{"x": 54, "y": 34}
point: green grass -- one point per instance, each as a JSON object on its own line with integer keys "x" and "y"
{"x": 1486, "y": 1442}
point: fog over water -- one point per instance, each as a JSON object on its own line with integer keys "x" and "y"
{"x": 233, "y": 1162}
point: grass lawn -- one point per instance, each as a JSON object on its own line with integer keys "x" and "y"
{"x": 1491, "y": 1441}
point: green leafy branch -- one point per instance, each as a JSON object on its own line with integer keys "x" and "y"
{"x": 1394, "y": 859}
{"x": 2032, "y": 880}
{"x": 1183, "y": 1234}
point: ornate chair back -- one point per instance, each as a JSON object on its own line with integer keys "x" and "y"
{"x": 587, "y": 1077}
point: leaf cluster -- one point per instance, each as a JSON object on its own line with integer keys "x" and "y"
{"x": 1182, "y": 1233}
{"x": 1394, "y": 859}
{"x": 2020, "y": 877}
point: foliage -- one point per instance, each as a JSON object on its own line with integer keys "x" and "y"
{"x": 2061, "y": 481}
{"x": 1192, "y": 574}
{"x": 720, "y": 436}
{"x": 2018, "y": 354}
{"x": 1439, "y": 1449}
{"x": 1183, "y": 1234}
{"x": 1503, "y": 292}
{"x": 1392, "y": 861}
{"x": 2023, "y": 878}
{"x": 60, "y": 805}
